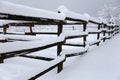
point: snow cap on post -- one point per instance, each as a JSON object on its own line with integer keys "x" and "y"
{"x": 62, "y": 9}
{"x": 87, "y": 16}
{"x": 70, "y": 14}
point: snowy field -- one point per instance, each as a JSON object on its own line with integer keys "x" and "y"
{"x": 100, "y": 63}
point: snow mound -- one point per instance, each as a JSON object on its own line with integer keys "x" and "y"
{"x": 17, "y": 9}
{"x": 70, "y": 14}
{"x": 62, "y": 8}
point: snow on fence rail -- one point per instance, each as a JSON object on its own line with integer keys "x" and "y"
{"x": 33, "y": 43}
{"x": 8, "y": 9}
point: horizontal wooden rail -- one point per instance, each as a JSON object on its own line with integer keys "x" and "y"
{"x": 26, "y": 51}
{"x": 38, "y": 57}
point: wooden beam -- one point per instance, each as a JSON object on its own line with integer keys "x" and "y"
{"x": 84, "y": 40}
{"x": 60, "y": 66}
{"x": 75, "y": 54}
{"x": 73, "y": 19}
{"x": 59, "y": 48}
{"x": 3, "y": 41}
{"x": 98, "y": 36}
{"x": 5, "y": 29}
{"x": 78, "y": 45}
{"x": 45, "y": 71}
{"x": 1, "y": 59}
{"x": 31, "y": 31}
{"x": 25, "y": 24}
{"x": 77, "y": 36}
{"x": 60, "y": 28}
{"x": 94, "y": 22}
{"x": 95, "y": 43}
{"x": 99, "y": 26}
{"x": 94, "y": 32}
{"x": 84, "y": 26}
{"x": 38, "y": 57}
{"x": 34, "y": 33}
{"x": 26, "y": 51}
{"x": 41, "y": 20}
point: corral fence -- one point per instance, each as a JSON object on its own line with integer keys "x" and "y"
{"x": 72, "y": 26}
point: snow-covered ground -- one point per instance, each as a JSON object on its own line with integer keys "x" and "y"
{"x": 100, "y": 63}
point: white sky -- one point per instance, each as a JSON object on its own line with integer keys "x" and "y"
{"x": 80, "y": 6}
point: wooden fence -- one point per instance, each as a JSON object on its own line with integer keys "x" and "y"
{"x": 104, "y": 30}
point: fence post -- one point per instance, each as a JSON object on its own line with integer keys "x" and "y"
{"x": 98, "y": 34}
{"x": 5, "y": 29}
{"x": 1, "y": 59}
{"x": 84, "y": 40}
{"x": 84, "y": 29}
{"x": 31, "y": 31}
{"x": 59, "y": 48}
{"x": 60, "y": 27}
{"x": 99, "y": 26}
{"x": 109, "y": 31}
{"x": 104, "y": 32}
{"x": 84, "y": 26}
